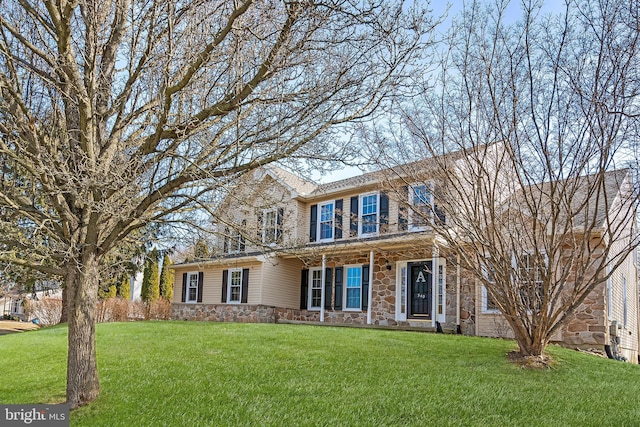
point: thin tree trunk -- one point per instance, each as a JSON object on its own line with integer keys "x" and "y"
{"x": 83, "y": 385}
{"x": 528, "y": 345}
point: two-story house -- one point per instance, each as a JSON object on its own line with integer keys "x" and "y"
{"x": 358, "y": 251}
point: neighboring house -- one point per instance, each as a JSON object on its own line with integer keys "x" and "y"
{"x": 355, "y": 252}
{"x": 14, "y": 303}
{"x": 135, "y": 283}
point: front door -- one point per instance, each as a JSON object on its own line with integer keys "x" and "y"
{"x": 420, "y": 290}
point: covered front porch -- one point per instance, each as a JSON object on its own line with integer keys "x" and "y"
{"x": 406, "y": 281}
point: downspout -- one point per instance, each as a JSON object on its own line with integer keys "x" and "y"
{"x": 458, "y": 329}
{"x": 324, "y": 266}
{"x": 370, "y": 293}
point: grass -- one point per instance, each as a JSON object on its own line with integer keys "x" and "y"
{"x": 217, "y": 374}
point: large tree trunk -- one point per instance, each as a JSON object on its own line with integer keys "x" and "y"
{"x": 83, "y": 385}
{"x": 64, "y": 314}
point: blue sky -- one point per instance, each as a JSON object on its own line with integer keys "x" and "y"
{"x": 513, "y": 13}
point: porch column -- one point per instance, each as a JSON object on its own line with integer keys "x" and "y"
{"x": 324, "y": 273}
{"x": 458, "y": 291}
{"x": 435, "y": 253}
{"x": 370, "y": 293}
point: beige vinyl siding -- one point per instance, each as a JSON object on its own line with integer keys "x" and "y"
{"x": 212, "y": 283}
{"x": 177, "y": 285}
{"x": 490, "y": 324}
{"x": 629, "y": 271}
{"x": 211, "y": 288}
{"x": 281, "y": 282}
{"x": 629, "y": 332}
{"x": 248, "y": 203}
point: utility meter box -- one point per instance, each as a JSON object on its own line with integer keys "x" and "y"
{"x": 613, "y": 328}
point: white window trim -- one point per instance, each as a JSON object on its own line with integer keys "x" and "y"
{"x": 516, "y": 267}
{"x": 360, "y": 207}
{"x": 411, "y": 214}
{"x": 188, "y": 286}
{"x": 345, "y": 287}
{"x": 333, "y": 221}
{"x": 16, "y": 306}
{"x": 485, "y": 296}
{"x": 441, "y": 270}
{"x": 229, "y": 278}
{"x": 401, "y": 291}
{"x": 235, "y": 235}
{"x": 310, "y": 307}
{"x": 485, "y": 299}
{"x": 264, "y": 226}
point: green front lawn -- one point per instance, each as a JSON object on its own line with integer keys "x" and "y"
{"x": 199, "y": 374}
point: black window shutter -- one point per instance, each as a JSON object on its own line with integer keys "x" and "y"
{"x": 200, "y": 285}
{"x": 279, "y": 220}
{"x": 245, "y": 285}
{"x": 304, "y": 289}
{"x": 353, "y": 219}
{"x": 338, "y": 298}
{"x": 328, "y": 279}
{"x": 338, "y": 219}
{"x": 440, "y": 215}
{"x": 402, "y": 209}
{"x": 365, "y": 287}
{"x": 184, "y": 287}
{"x": 227, "y": 237}
{"x": 313, "y": 224}
{"x": 384, "y": 212}
{"x": 225, "y": 278}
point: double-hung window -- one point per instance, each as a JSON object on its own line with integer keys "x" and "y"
{"x": 369, "y": 213}
{"x": 315, "y": 285}
{"x": 327, "y": 219}
{"x": 353, "y": 289}
{"x": 234, "y": 286}
{"x": 272, "y": 226}
{"x": 531, "y": 271}
{"x": 420, "y": 202}
{"x": 192, "y": 287}
{"x": 235, "y": 240}
{"x": 488, "y": 304}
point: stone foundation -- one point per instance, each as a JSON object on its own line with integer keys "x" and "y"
{"x": 265, "y": 314}
{"x": 241, "y": 313}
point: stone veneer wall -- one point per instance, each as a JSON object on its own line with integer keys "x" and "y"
{"x": 241, "y": 313}
{"x": 588, "y": 326}
{"x": 467, "y": 303}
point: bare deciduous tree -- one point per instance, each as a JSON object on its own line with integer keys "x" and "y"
{"x": 119, "y": 113}
{"x": 541, "y": 113}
